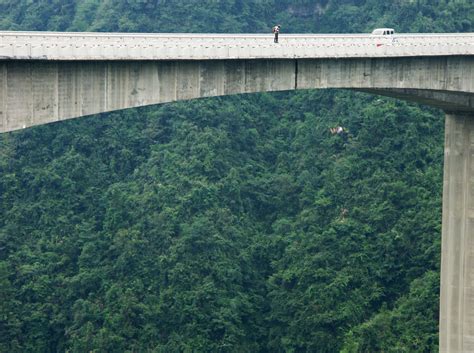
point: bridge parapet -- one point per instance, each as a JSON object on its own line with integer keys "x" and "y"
{"x": 121, "y": 46}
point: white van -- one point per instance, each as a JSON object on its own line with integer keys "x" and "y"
{"x": 383, "y": 32}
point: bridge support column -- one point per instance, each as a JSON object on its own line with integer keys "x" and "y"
{"x": 456, "y": 329}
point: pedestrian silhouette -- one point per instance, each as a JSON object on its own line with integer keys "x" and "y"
{"x": 276, "y": 31}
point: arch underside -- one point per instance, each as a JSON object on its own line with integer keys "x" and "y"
{"x": 40, "y": 92}
{"x": 448, "y": 101}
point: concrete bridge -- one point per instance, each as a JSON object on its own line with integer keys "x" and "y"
{"x": 47, "y": 77}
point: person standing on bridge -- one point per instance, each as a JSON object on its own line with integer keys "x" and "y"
{"x": 276, "y": 31}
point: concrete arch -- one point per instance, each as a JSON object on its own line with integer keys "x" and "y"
{"x": 39, "y": 92}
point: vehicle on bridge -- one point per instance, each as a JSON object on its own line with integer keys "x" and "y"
{"x": 383, "y": 32}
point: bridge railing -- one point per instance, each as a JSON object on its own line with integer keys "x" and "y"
{"x": 122, "y": 46}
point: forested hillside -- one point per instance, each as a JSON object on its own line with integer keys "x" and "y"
{"x": 233, "y": 224}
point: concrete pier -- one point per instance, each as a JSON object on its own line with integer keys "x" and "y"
{"x": 456, "y": 329}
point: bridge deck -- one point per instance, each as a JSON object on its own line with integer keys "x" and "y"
{"x": 123, "y": 46}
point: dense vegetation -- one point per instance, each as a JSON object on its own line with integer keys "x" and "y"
{"x": 234, "y": 224}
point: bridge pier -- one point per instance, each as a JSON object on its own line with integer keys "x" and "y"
{"x": 456, "y": 329}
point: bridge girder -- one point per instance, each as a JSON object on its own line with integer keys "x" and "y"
{"x": 39, "y": 92}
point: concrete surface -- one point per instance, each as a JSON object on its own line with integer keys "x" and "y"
{"x": 456, "y": 331}
{"x": 447, "y": 101}
{"x": 34, "y": 92}
{"x": 123, "y": 46}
